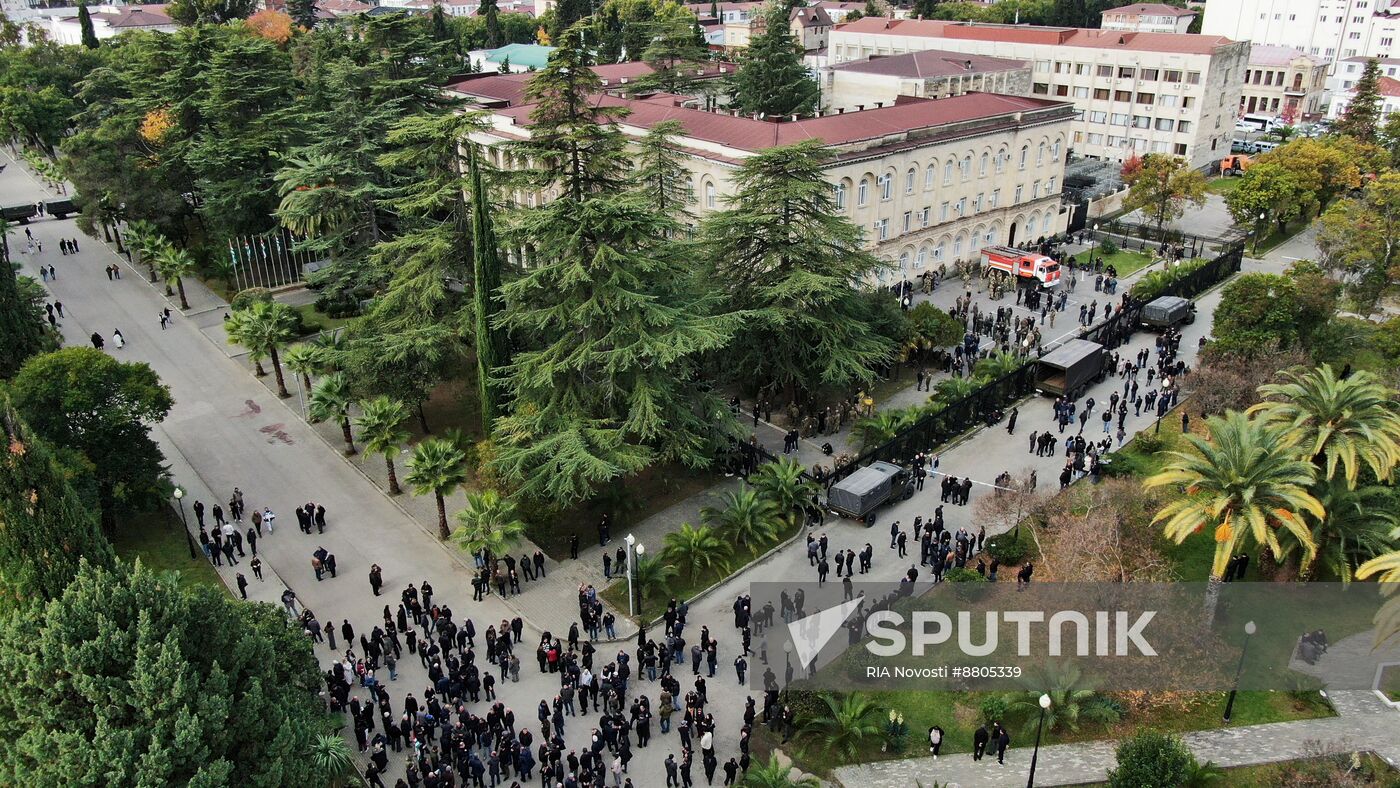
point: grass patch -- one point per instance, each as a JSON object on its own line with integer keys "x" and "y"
{"x": 684, "y": 586}
{"x": 1390, "y": 683}
{"x": 156, "y": 539}
{"x": 317, "y": 322}
{"x": 1345, "y": 769}
{"x": 1123, "y": 261}
{"x": 1223, "y": 185}
{"x": 959, "y": 714}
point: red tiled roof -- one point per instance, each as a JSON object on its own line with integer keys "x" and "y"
{"x": 929, "y": 63}
{"x": 1388, "y": 87}
{"x": 134, "y": 16}
{"x": 506, "y": 88}
{"x": 1026, "y": 34}
{"x": 615, "y": 72}
{"x": 748, "y": 134}
{"x": 1151, "y": 9}
{"x": 811, "y": 17}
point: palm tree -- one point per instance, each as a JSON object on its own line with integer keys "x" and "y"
{"x": 845, "y": 725}
{"x": 381, "y": 428}
{"x": 438, "y": 467}
{"x": 744, "y": 517}
{"x": 263, "y": 328}
{"x": 1244, "y": 483}
{"x": 1357, "y": 527}
{"x": 772, "y": 773}
{"x": 331, "y": 345}
{"x": 1388, "y": 567}
{"x": 489, "y": 525}
{"x": 880, "y": 428}
{"x": 331, "y": 399}
{"x": 1349, "y": 422}
{"x": 330, "y": 757}
{"x": 175, "y": 265}
{"x": 696, "y": 549}
{"x": 783, "y": 482}
{"x": 950, "y": 390}
{"x": 312, "y": 203}
{"x": 303, "y": 359}
{"x": 651, "y": 576}
{"x": 1071, "y": 702}
{"x": 142, "y": 236}
{"x": 997, "y": 365}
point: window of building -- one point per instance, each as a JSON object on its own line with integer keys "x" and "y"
{"x": 1160, "y": 147}
{"x": 1001, "y": 159}
{"x": 1122, "y": 95}
{"x": 1354, "y": 35}
{"x": 1171, "y": 76}
{"x": 1193, "y": 77}
{"x": 1168, "y": 100}
{"x": 995, "y": 198}
{"x": 840, "y": 196}
{"x": 886, "y": 187}
{"x": 921, "y": 258}
{"x": 1147, "y": 98}
{"x": 1035, "y": 190}
{"x": 962, "y": 206}
{"x": 1105, "y": 71}
{"x": 965, "y": 168}
{"x": 908, "y": 221}
{"x": 1062, "y": 90}
{"x": 1183, "y": 126}
{"x": 1025, "y": 151}
{"x": 957, "y": 245}
{"x": 1181, "y": 148}
{"x": 1098, "y": 117}
{"x": 1101, "y": 94}
{"x": 1017, "y": 201}
{"x": 939, "y": 250}
{"x": 1042, "y": 66}
{"x": 1126, "y": 72}
{"x": 882, "y": 229}
{"x": 1040, "y": 155}
{"x": 977, "y": 203}
{"x": 947, "y": 172}
{"x": 710, "y": 197}
{"x": 1095, "y": 139}
{"x": 1148, "y": 75}
{"x": 928, "y": 177}
{"x": 1387, "y": 41}
{"x": 1049, "y": 218}
{"x": 1119, "y": 119}
{"x": 1050, "y": 186}
{"x": 982, "y": 168}
{"x": 1164, "y": 124}
{"x": 943, "y": 212}
{"x": 1080, "y": 69}
{"x": 1114, "y": 141}
{"x": 863, "y": 192}
{"x": 1040, "y": 89}
{"x": 909, "y": 181}
{"x": 923, "y": 217}
{"x": 1081, "y": 93}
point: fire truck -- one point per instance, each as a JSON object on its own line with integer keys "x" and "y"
{"x": 1015, "y": 262}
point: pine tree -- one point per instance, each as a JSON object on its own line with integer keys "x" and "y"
{"x": 661, "y": 176}
{"x": 781, "y": 250}
{"x": 303, "y": 12}
{"x": 89, "y": 35}
{"x": 45, "y": 528}
{"x": 22, "y": 332}
{"x": 1363, "y": 114}
{"x": 674, "y": 54}
{"x": 772, "y": 79}
{"x": 490, "y": 13}
{"x": 492, "y": 347}
{"x": 178, "y": 687}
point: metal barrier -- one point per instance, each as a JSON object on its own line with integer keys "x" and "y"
{"x": 977, "y": 409}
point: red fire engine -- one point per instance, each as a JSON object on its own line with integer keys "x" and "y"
{"x": 1015, "y": 262}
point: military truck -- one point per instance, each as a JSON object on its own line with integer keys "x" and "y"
{"x": 865, "y": 490}
{"x": 1070, "y": 368}
{"x": 1167, "y": 312}
{"x": 19, "y": 213}
{"x": 60, "y": 208}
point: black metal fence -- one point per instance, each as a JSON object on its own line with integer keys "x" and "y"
{"x": 983, "y": 406}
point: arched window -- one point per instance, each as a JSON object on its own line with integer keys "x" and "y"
{"x": 966, "y": 167}
{"x": 886, "y": 184}
{"x": 1055, "y": 149}
{"x": 982, "y": 170}
{"x": 922, "y": 257}
{"x": 903, "y": 260}
{"x": 840, "y": 196}
{"x": 711, "y": 198}
{"x": 958, "y": 246}
{"x": 939, "y": 251}
{"x": 1046, "y": 227}
{"x": 947, "y": 172}
{"x": 928, "y": 177}
{"x": 991, "y": 236}
{"x": 863, "y": 192}
{"x": 1002, "y": 156}
{"x": 1025, "y": 152}
{"x": 909, "y": 180}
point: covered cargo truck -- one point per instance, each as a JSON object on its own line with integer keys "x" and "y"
{"x": 60, "y": 208}
{"x": 19, "y": 213}
{"x": 860, "y": 493}
{"x": 1168, "y": 312}
{"x": 1068, "y": 369}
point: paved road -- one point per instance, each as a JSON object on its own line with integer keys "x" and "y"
{"x": 226, "y": 429}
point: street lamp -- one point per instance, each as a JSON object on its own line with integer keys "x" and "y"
{"x": 787, "y": 662}
{"x": 640, "y": 550}
{"x": 1249, "y": 630}
{"x": 1093, "y": 242}
{"x": 1044, "y": 706}
{"x": 631, "y": 542}
{"x": 1259, "y": 232}
{"x": 179, "y": 494}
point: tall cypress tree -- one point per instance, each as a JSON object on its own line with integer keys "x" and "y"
{"x": 492, "y": 349}
{"x": 781, "y": 251}
{"x": 303, "y": 12}
{"x": 772, "y": 78}
{"x": 89, "y": 34}
{"x": 22, "y": 332}
{"x": 490, "y": 13}
{"x": 1363, "y": 114}
{"x": 45, "y": 529}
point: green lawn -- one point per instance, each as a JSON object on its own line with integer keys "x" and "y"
{"x": 1390, "y": 683}
{"x": 1363, "y": 769}
{"x": 157, "y": 540}
{"x": 316, "y": 322}
{"x": 958, "y": 714}
{"x": 1124, "y": 261}
{"x": 1223, "y": 185}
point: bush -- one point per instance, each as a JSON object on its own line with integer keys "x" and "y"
{"x": 1151, "y": 760}
{"x": 1107, "y": 246}
{"x": 960, "y": 575}
{"x": 250, "y": 296}
{"x": 993, "y": 708}
{"x": 338, "y": 305}
{"x": 1010, "y": 549}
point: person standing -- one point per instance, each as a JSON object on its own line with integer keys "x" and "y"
{"x": 242, "y": 586}
{"x": 980, "y": 738}
{"x": 1003, "y": 741}
{"x": 935, "y": 741}
{"x": 1011, "y": 422}
{"x": 376, "y": 578}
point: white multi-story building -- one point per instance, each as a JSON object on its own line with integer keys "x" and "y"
{"x": 63, "y": 27}
{"x": 1333, "y": 30}
{"x": 1136, "y": 93}
{"x": 928, "y": 74}
{"x": 1388, "y": 88}
{"x": 1147, "y": 18}
{"x": 930, "y": 181}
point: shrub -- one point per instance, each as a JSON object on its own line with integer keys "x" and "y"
{"x": 1107, "y": 246}
{"x": 993, "y": 708}
{"x": 338, "y": 305}
{"x": 250, "y": 296}
{"x": 1151, "y": 760}
{"x": 1009, "y": 548}
{"x": 961, "y": 575}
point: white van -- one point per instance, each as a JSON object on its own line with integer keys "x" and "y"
{"x": 1254, "y": 122}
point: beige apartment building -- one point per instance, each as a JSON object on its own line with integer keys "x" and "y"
{"x": 930, "y": 181}
{"x": 810, "y": 27}
{"x": 1285, "y": 82}
{"x": 928, "y": 74}
{"x": 1147, "y": 18}
{"x": 1136, "y": 93}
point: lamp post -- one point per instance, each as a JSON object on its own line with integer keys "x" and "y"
{"x": 1249, "y": 630}
{"x": 787, "y": 663}
{"x": 179, "y": 494}
{"x": 631, "y": 542}
{"x": 1259, "y": 232}
{"x": 1035, "y": 754}
{"x": 641, "y": 620}
{"x": 1093, "y": 242}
